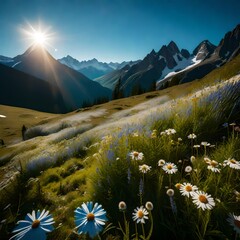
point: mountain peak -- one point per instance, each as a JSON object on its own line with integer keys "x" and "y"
{"x": 173, "y": 48}
{"x": 153, "y": 52}
{"x": 204, "y": 50}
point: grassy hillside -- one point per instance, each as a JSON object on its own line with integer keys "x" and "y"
{"x": 97, "y": 155}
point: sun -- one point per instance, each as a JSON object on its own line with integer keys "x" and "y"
{"x": 38, "y": 35}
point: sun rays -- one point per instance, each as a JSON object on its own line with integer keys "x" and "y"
{"x": 38, "y": 35}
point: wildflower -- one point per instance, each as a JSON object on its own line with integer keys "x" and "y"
{"x": 237, "y": 195}
{"x": 179, "y": 139}
{"x": 170, "y": 192}
{"x": 149, "y": 206}
{"x": 207, "y": 160}
{"x": 205, "y": 144}
{"x": 187, "y": 189}
{"x": 213, "y": 166}
{"x": 122, "y": 206}
{"x": 234, "y": 221}
{"x": 162, "y": 133}
{"x": 203, "y": 200}
{"x": 154, "y": 134}
{"x": 170, "y": 131}
{"x": 161, "y": 162}
{"x": 192, "y": 159}
{"x": 237, "y": 129}
{"x": 232, "y": 163}
{"x": 192, "y": 136}
{"x": 170, "y": 168}
{"x": 140, "y": 214}
{"x": 35, "y": 226}
{"x": 225, "y": 125}
{"x": 135, "y": 134}
{"x": 196, "y": 146}
{"x": 144, "y": 168}
{"x": 90, "y": 219}
{"x": 178, "y": 185}
{"x": 232, "y": 124}
{"x": 136, "y": 155}
{"x": 188, "y": 169}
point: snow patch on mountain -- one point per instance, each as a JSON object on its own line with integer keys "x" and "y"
{"x": 16, "y": 64}
{"x": 181, "y": 66}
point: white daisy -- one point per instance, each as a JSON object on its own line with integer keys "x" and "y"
{"x": 234, "y": 221}
{"x": 170, "y": 168}
{"x": 205, "y": 144}
{"x": 187, "y": 189}
{"x": 149, "y": 206}
{"x": 213, "y": 166}
{"x": 144, "y": 168}
{"x": 192, "y": 136}
{"x": 140, "y": 214}
{"x": 203, "y": 200}
{"x": 196, "y": 146}
{"x": 136, "y": 155}
{"x": 188, "y": 169}
{"x": 122, "y": 206}
{"x": 232, "y": 163}
{"x": 170, "y": 131}
{"x": 178, "y": 185}
{"x": 192, "y": 159}
{"x": 161, "y": 162}
{"x": 170, "y": 192}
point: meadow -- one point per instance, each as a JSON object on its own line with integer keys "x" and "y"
{"x": 167, "y": 168}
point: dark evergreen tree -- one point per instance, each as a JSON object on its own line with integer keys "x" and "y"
{"x": 118, "y": 91}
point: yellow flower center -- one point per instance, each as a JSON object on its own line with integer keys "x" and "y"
{"x": 122, "y": 205}
{"x": 135, "y": 154}
{"x": 178, "y": 185}
{"x": 233, "y": 161}
{"x": 203, "y": 199}
{"x": 188, "y": 188}
{"x": 35, "y": 223}
{"x": 214, "y": 163}
{"x": 90, "y": 216}
{"x": 169, "y": 167}
{"x": 140, "y": 214}
{"x": 237, "y": 223}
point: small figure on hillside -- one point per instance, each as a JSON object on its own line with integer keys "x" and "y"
{"x": 24, "y": 129}
{"x": 1, "y": 142}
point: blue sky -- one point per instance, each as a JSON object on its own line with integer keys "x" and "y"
{"x": 114, "y": 30}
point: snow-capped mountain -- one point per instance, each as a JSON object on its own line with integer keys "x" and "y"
{"x": 154, "y": 66}
{"x": 92, "y": 68}
{"x": 74, "y": 87}
{"x": 209, "y": 57}
{"x": 170, "y": 66}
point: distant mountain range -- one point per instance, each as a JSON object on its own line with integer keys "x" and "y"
{"x": 170, "y": 66}
{"x": 36, "y": 80}
{"x": 93, "y": 68}
{"x": 74, "y": 88}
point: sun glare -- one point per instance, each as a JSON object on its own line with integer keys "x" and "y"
{"x": 38, "y": 35}
{"x": 39, "y": 38}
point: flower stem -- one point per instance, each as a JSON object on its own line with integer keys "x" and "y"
{"x": 143, "y": 231}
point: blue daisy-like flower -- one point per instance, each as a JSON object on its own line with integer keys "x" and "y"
{"x": 90, "y": 218}
{"x": 35, "y": 226}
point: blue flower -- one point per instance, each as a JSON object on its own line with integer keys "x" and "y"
{"x": 90, "y": 219}
{"x": 34, "y": 226}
